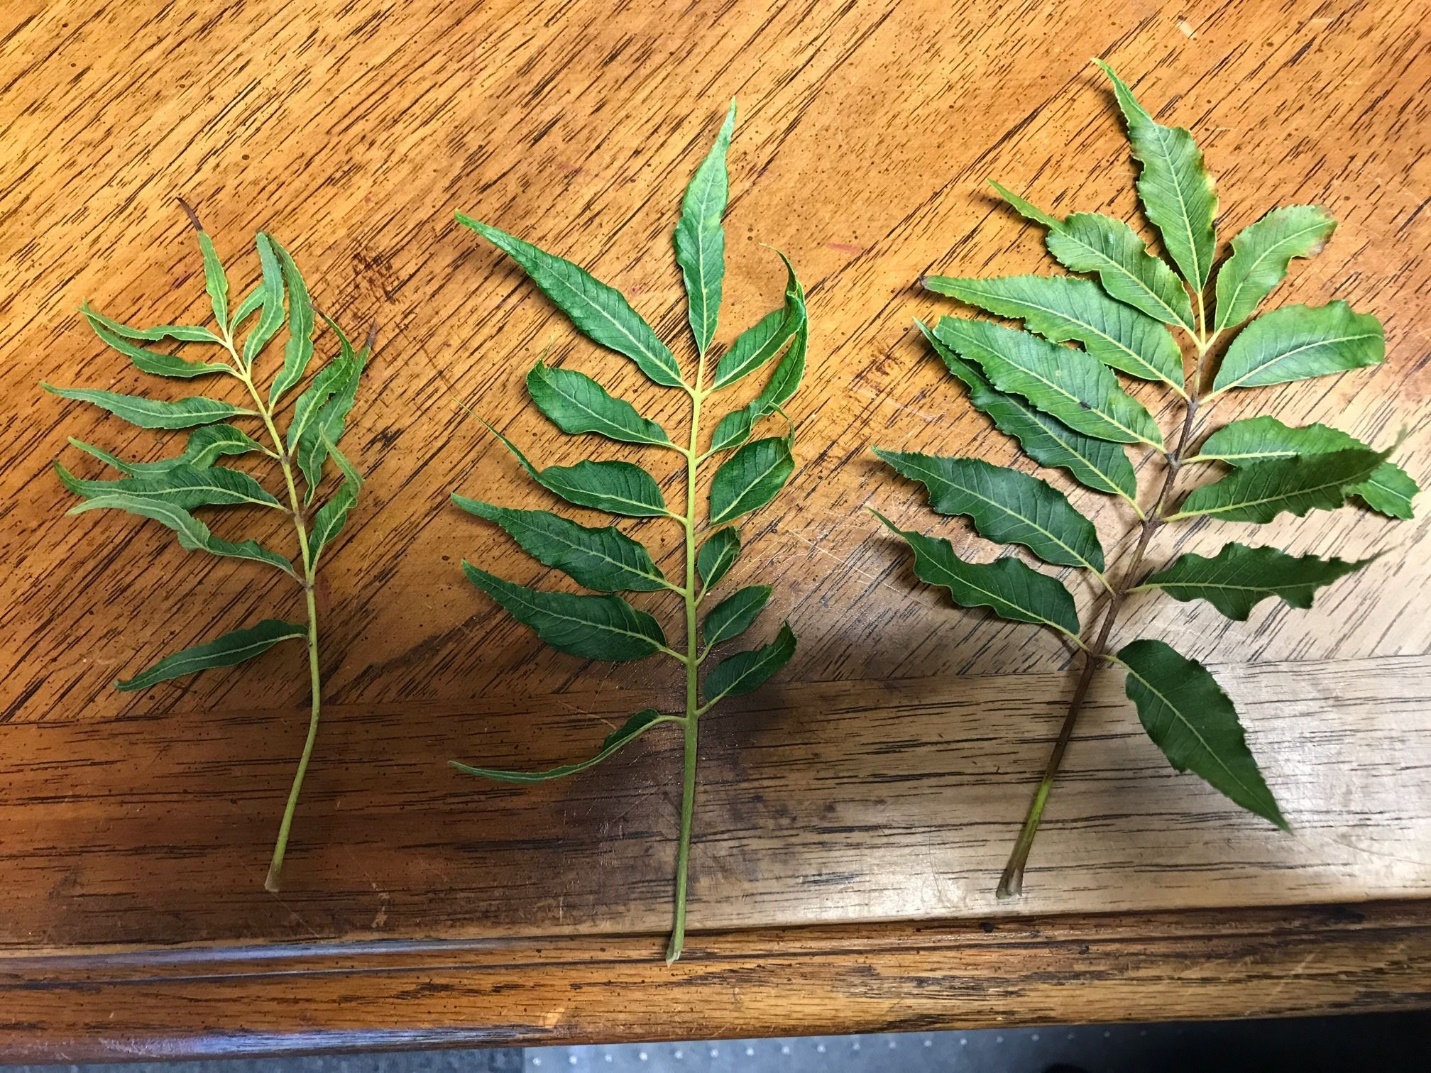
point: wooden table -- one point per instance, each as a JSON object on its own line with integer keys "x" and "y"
{"x": 854, "y": 814}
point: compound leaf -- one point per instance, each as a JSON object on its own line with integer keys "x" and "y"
{"x": 1239, "y": 577}
{"x": 700, "y": 238}
{"x": 1261, "y": 254}
{"x": 227, "y": 651}
{"x": 1299, "y": 342}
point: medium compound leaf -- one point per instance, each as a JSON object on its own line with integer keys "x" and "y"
{"x": 147, "y": 360}
{"x": 227, "y": 651}
{"x": 1175, "y": 188}
{"x": 749, "y": 479}
{"x": 615, "y": 487}
{"x": 298, "y": 350}
{"x": 592, "y": 627}
{"x": 700, "y": 239}
{"x": 193, "y": 534}
{"x": 1262, "y": 490}
{"x": 1300, "y": 342}
{"x": 735, "y": 614}
{"x": 1239, "y": 577}
{"x": 745, "y": 672}
{"x": 598, "y": 311}
{"x": 1011, "y": 589}
{"x": 181, "y": 486}
{"x": 1061, "y": 309}
{"x": 152, "y": 413}
{"x": 717, "y": 555}
{"x": 1193, "y": 722}
{"x": 1261, "y": 254}
{"x": 576, "y": 403}
{"x": 1095, "y": 464}
{"x": 1005, "y": 505}
{"x": 1062, "y": 382}
{"x": 629, "y": 731}
{"x": 604, "y": 559}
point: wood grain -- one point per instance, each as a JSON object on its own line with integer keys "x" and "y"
{"x": 884, "y": 776}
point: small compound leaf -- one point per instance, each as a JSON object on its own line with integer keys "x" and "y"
{"x": 700, "y": 238}
{"x": 755, "y": 346}
{"x": 1011, "y": 589}
{"x": 1061, "y": 309}
{"x": 298, "y": 350}
{"x": 1063, "y": 382}
{"x": 735, "y": 614}
{"x": 330, "y": 518}
{"x": 1389, "y": 490}
{"x": 184, "y": 333}
{"x": 749, "y": 479}
{"x": 629, "y": 731}
{"x": 598, "y": 311}
{"x": 745, "y": 672}
{"x": 1091, "y": 242}
{"x": 147, "y": 360}
{"x": 1261, "y": 254}
{"x": 152, "y": 413}
{"x": 1005, "y": 505}
{"x": 615, "y": 487}
{"x": 603, "y": 560}
{"x": 206, "y": 445}
{"x": 271, "y": 289}
{"x": 1095, "y": 464}
{"x": 1239, "y": 577}
{"x": 215, "y": 281}
{"x": 181, "y": 486}
{"x": 1262, "y": 490}
{"x": 1193, "y": 722}
{"x": 576, "y": 403}
{"x": 1300, "y": 342}
{"x": 1175, "y": 188}
{"x": 592, "y": 627}
{"x": 227, "y": 651}
{"x": 717, "y": 555}
{"x": 193, "y": 534}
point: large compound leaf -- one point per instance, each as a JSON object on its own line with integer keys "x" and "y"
{"x": 152, "y": 413}
{"x": 227, "y": 651}
{"x": 185, "y": 487}
{"x": 1093, "y": 463}
{"x": 749, "y": 479}
{"x": 598, "y": 311}
{"x": 1011, "y": 589}
{"x": 1175, "y": 188}
{"x": 1063, "y": 382}
{"x": 1239, "y": 577}
{"x": 576, "y": 403}
{"x": 1061, "y": 309}
{"x": 1193, "y": 722}
{"x": 700, "y": 238}
{"x": 1300, "y": 342}
{"x": 628, "y": 732}
{"x": 1261, "y": 254}
{"x": 600, "y": 559}
{"x": 1261, "y": 491}
{"x": 1389, "y": 490}
{"x": 747, "y": 671}
{"x": 1004, "y": 505}
{"x": 592, "y": 627}
{"x": 205, "y": 445}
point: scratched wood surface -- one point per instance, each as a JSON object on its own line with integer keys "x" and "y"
{"x": 883, "y": 776}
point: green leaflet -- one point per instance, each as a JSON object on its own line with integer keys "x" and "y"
{"x": 1005, "y": 505}
{"x": 1262, "y": 490}
{"x": 227, "y": 651}
{"x": 215, "y": 281}
{"x": 1011, "y": 589}
{"x": 1261, "y": 254}
{"x": 745, "y": 672}
{"x": 271, "y": 290}
{"x": 1389, "y": 490}
{"x": 576, "y": 403}
{"x": 615, "y": 487}
{"x": 206, "y": 444}
{"x": 1239, "y": 577}
{"x": 592, "y": 627}
{"x": 181, "y": 486}
{"x": 599, "y": 312}
{"x": 735, "y": 614}
{"x": 1300, "y": 342}
{"x": 1093, "y": 463}
{"x": 1027, "y": 209}
{"x": 328, "y": 522}
{"x": 717, "y": 555}
{"x": 184, "y": 333}
{"x": 700, "y": 239}
{"x": 320, "y": 439}
{"x": 333, "y": 376}
{"x": 1062, "y": 382}
{"x": 298, "y": 350}
{"x": 1061, "y": 308}
{"x": 1175, "y": 188}
{"x": 757, "y": 345}
{"x": 152, "y": 413}
{"x": 147, "y": 360}
{"x": 629, "y": 731}
{"x": 603, "y": 560}
{"x": 1193, "y": 722}
{"x": 749, "y": 479}
{"x": 735, "y": 427}
{"x": 194, "y": 535}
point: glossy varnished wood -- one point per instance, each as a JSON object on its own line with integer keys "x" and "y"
{"x": 883, "y": 776}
